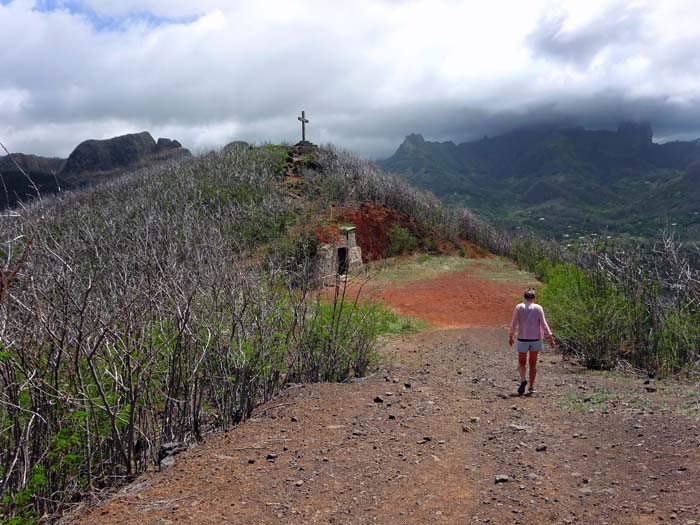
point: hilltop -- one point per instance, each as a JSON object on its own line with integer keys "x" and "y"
{"x": 91, "y": 161}
{"x": 563, "y": 181}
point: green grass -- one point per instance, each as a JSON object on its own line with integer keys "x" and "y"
{"x": 625, "y": 399}
{"x": 415, "y": 267}
{"x": 502, "y": 270}
{"x": 598, "y": 401}
{"x": 658, "y": 406}
{"x": 426, "y": 266}
{"x": 692, "y": 408}
{"x": 392, "y": 323}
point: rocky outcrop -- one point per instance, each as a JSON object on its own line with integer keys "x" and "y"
{"x": 120, "y": 152}
{"x": 167, "y": 144}
{"x": 23, "y": 177}
{"x": 30, "y": 163}
{"x": 43, "y": 175}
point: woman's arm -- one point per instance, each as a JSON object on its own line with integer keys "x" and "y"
{"x": 513, "y": 325}
{"x": 546, "y": 330}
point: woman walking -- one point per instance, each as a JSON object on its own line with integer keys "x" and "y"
{"x": 528, "y": 319}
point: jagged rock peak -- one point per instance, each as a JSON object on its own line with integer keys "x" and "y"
{"x": 164, "y": 144}
{"x": 412, "y": 142}
{"x": 414, "y": 138}
{"x": 120, "y": 152}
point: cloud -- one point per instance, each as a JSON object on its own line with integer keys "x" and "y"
{"x": 367, "y": 72}
{"x": 620, "y": 25}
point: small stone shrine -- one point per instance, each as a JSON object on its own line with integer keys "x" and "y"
{"x": 340, "y": 257}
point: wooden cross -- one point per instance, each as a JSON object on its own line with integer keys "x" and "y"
{"x": 304, "y": 121}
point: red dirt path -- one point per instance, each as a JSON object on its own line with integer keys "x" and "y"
{"x": 454, "y": 300}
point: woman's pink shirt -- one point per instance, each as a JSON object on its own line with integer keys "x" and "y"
{"x": 528, "y": 318}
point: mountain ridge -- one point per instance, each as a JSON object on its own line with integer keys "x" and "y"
{"x": 561, "y": 172}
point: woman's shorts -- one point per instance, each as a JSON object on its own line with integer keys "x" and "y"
{"x": 535, "y": 346}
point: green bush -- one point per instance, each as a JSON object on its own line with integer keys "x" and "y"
{"x": 592, "y": 319}
{"x": 401, "y": 241}
{"x": 389, "y": 322}
{"x": 677, "y": 344}
{"x": 603, "y": 319}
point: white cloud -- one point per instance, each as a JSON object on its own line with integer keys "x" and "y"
{"x": 12, "y": 101}
{"x": 367, "y": 72}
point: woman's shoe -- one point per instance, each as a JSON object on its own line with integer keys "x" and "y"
{"x": 521, "y": 388}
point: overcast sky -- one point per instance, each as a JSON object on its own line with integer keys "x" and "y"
{"x": 367, "y": 72}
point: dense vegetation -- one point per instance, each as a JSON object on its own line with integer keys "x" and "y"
{"x": 564, "y": 183}
{"x": 632, "y": 305}
{"x": 166, "y": 304}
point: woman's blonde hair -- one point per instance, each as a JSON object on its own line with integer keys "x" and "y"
{"x": 529, "y": 293}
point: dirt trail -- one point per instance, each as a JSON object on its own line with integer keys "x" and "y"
{"x": 423, "y": 439}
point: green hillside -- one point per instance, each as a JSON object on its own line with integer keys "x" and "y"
{"x": 564, "y": 182}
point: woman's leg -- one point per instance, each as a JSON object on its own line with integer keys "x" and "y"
{"x": 522, "y": 360}
{"x": 533, "y": 368}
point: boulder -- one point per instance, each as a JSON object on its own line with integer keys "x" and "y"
{"x": 303, "y": 147}
{"x": 167, "y": 453}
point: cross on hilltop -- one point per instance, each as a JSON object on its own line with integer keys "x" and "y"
{"x": 304, "y": 145}
{"x": 304, "y": 121}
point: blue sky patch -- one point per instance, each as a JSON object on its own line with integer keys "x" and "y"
{"x": 103, "y": 22}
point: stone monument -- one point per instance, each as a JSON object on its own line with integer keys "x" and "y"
{"x": 304, "y": 146}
